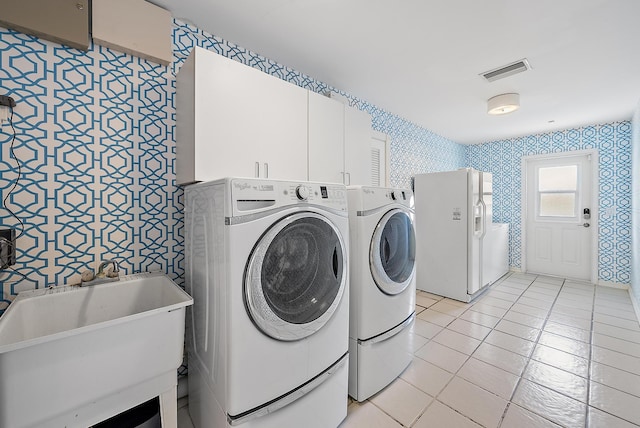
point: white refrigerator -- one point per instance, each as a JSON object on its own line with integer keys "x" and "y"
{"x": 459, "y": 250}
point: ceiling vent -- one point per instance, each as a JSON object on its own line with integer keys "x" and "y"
{"x": 506, "y": 70}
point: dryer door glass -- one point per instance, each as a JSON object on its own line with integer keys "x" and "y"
{"x": 296, "y": 276}
{"x": 393, "y": 252}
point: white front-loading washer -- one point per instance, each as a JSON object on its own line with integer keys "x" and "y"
{"x": 382, "y": 299}
{"x": 266, "y": 264}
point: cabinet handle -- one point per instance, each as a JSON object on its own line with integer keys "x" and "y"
{"x": 266, "y": 170}
{"x": 257, "y": 169}
{"x": 348, "y": 178}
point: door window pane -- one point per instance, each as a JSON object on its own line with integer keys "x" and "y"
{"x": 557, "y": 191}
{"x": 558, "y": 178}
{"x": 557, "y": 204}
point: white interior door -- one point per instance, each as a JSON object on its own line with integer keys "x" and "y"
{"x": 560, "y": 216}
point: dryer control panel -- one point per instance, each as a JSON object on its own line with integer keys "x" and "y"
{"x": 374, "y": 197}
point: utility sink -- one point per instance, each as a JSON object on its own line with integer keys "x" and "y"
{"x": 74, "y": 356}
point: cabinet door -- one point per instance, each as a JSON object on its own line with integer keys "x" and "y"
{"x": 357, "y": 146}
{"x": 245, "y": 118}
{"x": 280, "y": 110}
{"x": 326, "y": 139}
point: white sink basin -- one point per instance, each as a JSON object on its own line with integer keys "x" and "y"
{"x": 75, "y": 356}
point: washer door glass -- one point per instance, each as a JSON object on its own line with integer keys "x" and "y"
{"x": 295, "y": 276}
{"x": 393, "y": 252}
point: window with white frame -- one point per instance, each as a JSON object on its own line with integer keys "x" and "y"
{"x": 557, "y": 189}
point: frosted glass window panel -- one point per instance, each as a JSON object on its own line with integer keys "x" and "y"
{"x": 558, "y": 178}
{"x": 557, "y": 204}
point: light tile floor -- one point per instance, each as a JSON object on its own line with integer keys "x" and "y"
{"x": 532, "y": 351}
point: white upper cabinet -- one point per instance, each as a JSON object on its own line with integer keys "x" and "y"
{"x": 234, "y": 120}
{"x": 326, "y": 139}
{"x": 357, "y": 147}
{"x": 339, "y": 142}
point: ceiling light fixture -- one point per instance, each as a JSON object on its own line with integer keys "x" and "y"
{"x": 503, "y": 104}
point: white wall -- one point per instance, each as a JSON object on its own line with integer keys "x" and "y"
{"x": 635, "y": 210}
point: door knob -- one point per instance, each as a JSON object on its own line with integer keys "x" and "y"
{"x": 584, "y": 225}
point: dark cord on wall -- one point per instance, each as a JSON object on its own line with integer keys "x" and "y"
{"x": 15, "y": 184}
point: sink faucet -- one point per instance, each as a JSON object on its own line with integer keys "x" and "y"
{"x": 101, "y": 273}
{"x": 88, "y": 277}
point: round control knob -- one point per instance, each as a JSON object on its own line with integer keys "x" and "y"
{"x": 302, "y": 193}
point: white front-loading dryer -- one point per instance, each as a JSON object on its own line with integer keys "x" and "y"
{"x": 382, "y": 300}
{"x": 266, "y": 264}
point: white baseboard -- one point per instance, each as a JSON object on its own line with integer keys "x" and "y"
{"x": 632, "y": 295}
{"x": 613, "y": 284}
{"x": 635, "y": 300}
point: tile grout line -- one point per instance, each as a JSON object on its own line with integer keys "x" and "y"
{"x": 435, "y": 397}
{"x": 590, "y": 361}
{"x": 591, "y": 333}
{"x": 529, "y": 358}
{"x": 506, "y": 409}
{"x": 510, "y": 400}
{"x": 399, "y": 377}
{"x": 562, "y": 287}
{"x": 471, "y": 355}
{"x": 590, "y": 366}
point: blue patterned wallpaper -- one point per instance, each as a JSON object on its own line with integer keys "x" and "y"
{"x": 96, "y": 141}
{"x": 613, "y": 142}
{"x": 97, "y": 147}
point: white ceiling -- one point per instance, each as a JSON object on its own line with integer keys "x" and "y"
{"x": 421, "y": 59}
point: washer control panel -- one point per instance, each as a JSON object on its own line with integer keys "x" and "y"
{"x": 333, "y": 195}
{"x": 257, "y": 194}
{"x": 302, "y": 192}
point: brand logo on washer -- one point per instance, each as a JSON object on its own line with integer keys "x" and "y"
{"x": 241, "y": 186}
